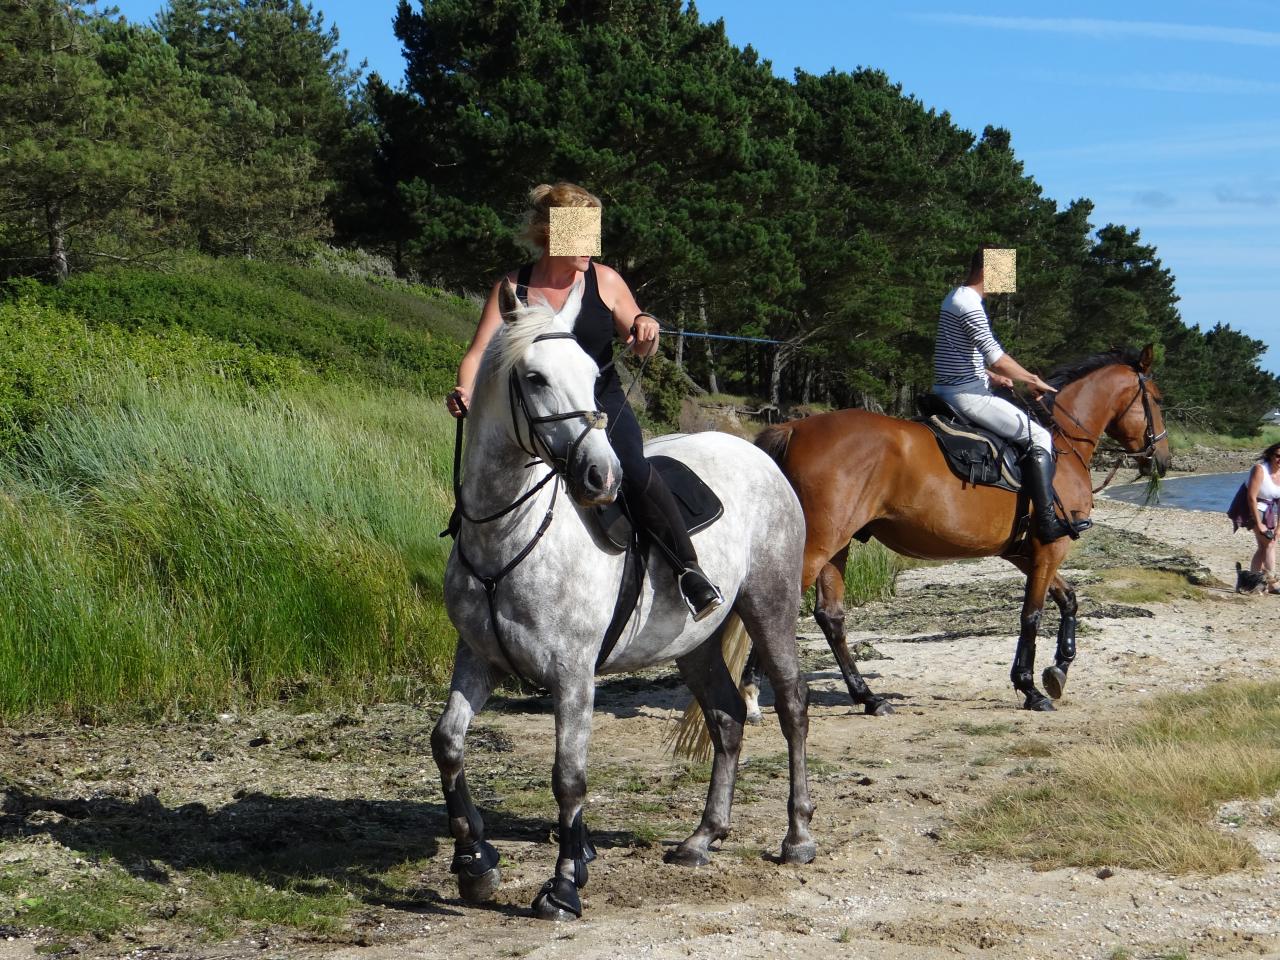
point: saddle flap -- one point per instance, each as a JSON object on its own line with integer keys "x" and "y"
{"x": 698, "y": 503}
{"x": 975, "y": 455}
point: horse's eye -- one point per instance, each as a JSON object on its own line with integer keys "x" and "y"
{"x": 535, "y": 378}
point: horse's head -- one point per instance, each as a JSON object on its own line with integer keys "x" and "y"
{"x": 1138, "y": 423}
{"x": 551, "y": 388}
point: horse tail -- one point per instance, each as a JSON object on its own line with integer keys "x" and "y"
{"x": 775, "y": 440}
{"x": 690, "y": 738}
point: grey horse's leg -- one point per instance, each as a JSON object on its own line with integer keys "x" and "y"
{"x": 574, "y": 699}
{"x": 1055, "y": 677}
{"x": 770, "y": 619}
{"x": 724, "y": 711}
{"x": 828, "y": 610}
{"x": 475, "y": 861}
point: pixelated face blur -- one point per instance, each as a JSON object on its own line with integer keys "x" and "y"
{"x": 1000, "y": 271}
{"x": 574, "y": 232}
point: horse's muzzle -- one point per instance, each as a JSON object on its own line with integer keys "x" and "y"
{"x": 594, "y": 485}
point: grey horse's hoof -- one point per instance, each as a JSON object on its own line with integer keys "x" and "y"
{"x": 558, "y": 901}
{"x": 1055, "y": 681}
{"x": 687, "y": 857}
{"x": 479, "y": 889}
{"x": 755, "y": 718}
{"x": 879, "y": 707}
{"x": 799, "y": 852}
{"x": 1038, "y": 703}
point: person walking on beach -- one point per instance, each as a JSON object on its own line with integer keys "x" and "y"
{"x": 1257, "y": 507}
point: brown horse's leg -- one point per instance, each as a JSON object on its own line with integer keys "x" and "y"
{"x": 1055, "y": 677}
{"x": 829, "y": 612}
{"x": 1024, "y": 659}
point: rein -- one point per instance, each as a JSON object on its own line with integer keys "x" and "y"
{"x": 558, "y": 470}
{"x": 1150, "y": 437}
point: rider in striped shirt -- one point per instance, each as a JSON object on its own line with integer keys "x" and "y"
{"x": 967, "y": 360}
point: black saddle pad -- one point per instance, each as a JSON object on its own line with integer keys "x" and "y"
{"x": 698, "y": 503}
{"x": 974, "y": 454}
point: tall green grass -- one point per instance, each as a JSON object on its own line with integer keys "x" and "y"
{"x": 177, "y": 547}
{"x": 872, "y": 572}
{"x": 1182, "y": 437}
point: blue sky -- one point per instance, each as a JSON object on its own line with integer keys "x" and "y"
{"x": 1167, "y": 116}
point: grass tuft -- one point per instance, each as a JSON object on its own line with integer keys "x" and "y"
{"x": 1147, "y": 798}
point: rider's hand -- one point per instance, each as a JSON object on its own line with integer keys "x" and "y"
{"x": 1039, "y": 387}
{"x": 644, "y": 335}
{"x": 1269, "y": 534}
{"x": 1000, "y": 380}
{"x": 458, "y": 399}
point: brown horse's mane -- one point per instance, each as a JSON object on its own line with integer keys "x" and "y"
{"x": 1069, "y": 372}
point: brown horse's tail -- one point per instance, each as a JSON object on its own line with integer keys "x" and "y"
{"x": 774, "y": 441}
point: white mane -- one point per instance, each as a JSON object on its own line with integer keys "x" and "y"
{"x": 517, "y": 333}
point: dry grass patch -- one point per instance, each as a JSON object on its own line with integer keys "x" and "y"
{"x": 1146, "y": 799}
{"x": 1137, "y": 586}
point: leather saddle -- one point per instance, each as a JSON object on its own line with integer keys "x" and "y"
{"x": 974, "y": 454}
{"x": 698, "y": 503}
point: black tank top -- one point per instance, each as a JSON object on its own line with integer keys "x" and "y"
{"x": 594, "y": 327}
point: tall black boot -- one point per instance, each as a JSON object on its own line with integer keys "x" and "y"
{"x": 658, "y": 514}
{"x": 1038, "y": 470}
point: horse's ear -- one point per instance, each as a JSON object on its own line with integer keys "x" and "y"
{"x": 1147, "y": 358}
{"x": 507, "y": 303}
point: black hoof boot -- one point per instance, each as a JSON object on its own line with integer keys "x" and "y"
{"x": 1055, "y": 681}
{"x": 1038, "y": 702}
{"x": 477, "y": 870}
{"x": 878, "y": 707}
{"x": 701, "y": 595}
{"x": 557, "y": 900}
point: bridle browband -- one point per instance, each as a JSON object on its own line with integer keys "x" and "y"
{"x": 558, "y": 470}
{"x": 1149, "y": 437}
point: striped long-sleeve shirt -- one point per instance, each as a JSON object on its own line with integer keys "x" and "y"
{"x": 965, "y": 346}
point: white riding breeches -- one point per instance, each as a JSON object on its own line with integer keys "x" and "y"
{"x": 997, "y": 415}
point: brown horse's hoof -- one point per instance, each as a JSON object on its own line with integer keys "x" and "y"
{"x": 799, "y": 852}
{"x": 1055, "y": 681}
{"x": 687, "y": 857}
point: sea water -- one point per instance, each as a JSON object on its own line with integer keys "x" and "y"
{"x": 1211, "y": 491}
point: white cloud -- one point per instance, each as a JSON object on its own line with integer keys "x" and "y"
{"x": 1148, "y": 29}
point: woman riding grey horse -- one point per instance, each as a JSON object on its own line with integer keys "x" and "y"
{"x": 608, "y": 309}
{"x": 531, "y": 582}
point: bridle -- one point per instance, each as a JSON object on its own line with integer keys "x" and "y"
{"x": 558, "y": 470}
{"x": 1149, "y": 436}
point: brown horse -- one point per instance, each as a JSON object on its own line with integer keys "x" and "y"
{"x": 861, "y": 475}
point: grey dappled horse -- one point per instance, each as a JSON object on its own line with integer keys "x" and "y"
{"x": 531, "y": 589}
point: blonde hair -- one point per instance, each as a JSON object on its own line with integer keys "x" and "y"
{"x": 545, "y": 196}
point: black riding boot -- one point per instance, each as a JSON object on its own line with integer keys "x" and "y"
{"x": 656, "y": 511}
{"x": 1038, "y": 470}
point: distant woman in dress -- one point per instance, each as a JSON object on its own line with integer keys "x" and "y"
{"x": 1259, "y": 510}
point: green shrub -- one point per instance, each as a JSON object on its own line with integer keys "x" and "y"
{"x": 397, "y": 333}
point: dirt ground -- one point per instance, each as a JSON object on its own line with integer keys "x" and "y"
{"x": 355, "y": 796}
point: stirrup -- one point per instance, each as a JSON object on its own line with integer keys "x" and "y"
{"x": 708, "y": 604}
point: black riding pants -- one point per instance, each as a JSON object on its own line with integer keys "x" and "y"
{"x": 648, "y": 497}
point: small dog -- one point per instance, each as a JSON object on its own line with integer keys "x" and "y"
{"x": 1249, "y": 581}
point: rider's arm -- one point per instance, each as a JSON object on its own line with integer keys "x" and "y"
{"x": 490, "y": 321}
{"x": 1011, "y": 368}
{"x": 1255, "y": 487}
{"x": 626, "y": 312}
